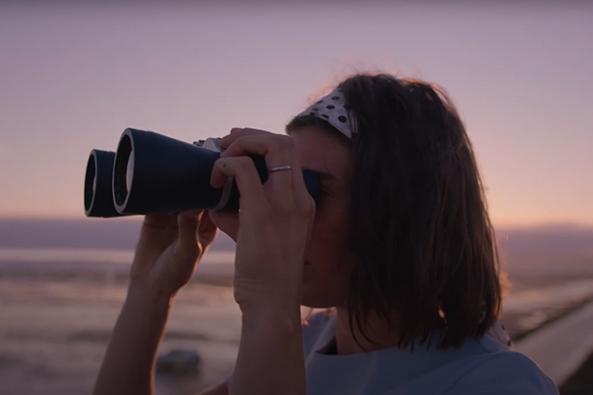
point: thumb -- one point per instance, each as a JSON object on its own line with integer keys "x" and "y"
{"x": 228, "y": 222}
{"x": 187, "y": 222}
{"x": 206, "y": 231}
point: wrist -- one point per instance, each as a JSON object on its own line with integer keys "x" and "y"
{"x": 259, "y": 296}
{"x": 146, "y": 297}
{"x": 286, "y": 319}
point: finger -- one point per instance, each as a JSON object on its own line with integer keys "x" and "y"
{"x": 160, "y": 220}
{"x": 187, "y": 223}
{"x": 158, "y": 230}
{"x": 278, "y": 150}
{"x": 235, "y": 133}
{"x": 206, "y": 232}
{"x": 200, "y": 213}
{"x": 242, "y": 170}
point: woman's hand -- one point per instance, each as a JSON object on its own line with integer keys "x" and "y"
{"x": 168, "y": 251}
{"x": 165, "y": 258}
{"x": 273, "y": 229}
{"x": 274, "y": 219}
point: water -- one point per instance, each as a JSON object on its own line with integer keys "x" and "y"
{"x": 58, "y": 307}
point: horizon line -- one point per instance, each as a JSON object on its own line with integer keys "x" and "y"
{"x": 138, "y": 217}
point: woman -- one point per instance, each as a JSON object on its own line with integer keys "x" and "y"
{"x": 399, "y": 245}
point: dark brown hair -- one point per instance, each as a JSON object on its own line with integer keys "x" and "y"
{"x": 419, "y": 226}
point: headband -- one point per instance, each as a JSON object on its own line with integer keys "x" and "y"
{"x": 333, "y": 109}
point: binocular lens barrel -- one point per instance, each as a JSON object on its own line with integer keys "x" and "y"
{"x": 151, "y": 173}
{"x": 156, "y": 173}
{"x": 98, "y": 200}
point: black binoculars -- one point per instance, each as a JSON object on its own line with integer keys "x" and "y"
{"x": 154, "y": 173}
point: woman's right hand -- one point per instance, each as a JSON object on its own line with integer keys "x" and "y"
{"x": 169, "y": 248}
{"x": 166, "y": 255}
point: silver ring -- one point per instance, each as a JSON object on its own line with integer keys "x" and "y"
{"x": 279, "y": 168}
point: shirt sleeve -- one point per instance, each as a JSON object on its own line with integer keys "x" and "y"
{"x": 510, "y": 373}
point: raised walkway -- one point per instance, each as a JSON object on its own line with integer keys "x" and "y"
{"x": 561, "y": 347}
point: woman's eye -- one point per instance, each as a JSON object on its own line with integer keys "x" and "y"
{"x": 321, "y": 194}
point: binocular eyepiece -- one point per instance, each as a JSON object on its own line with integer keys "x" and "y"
{"x": 151, "y": 173}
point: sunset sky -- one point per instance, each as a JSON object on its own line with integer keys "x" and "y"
{"x": 74, "y": 76}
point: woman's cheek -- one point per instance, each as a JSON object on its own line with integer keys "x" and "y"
{"x": 326, "y": 277}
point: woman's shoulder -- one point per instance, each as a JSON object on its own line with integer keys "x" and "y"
{"x": 507, "y": 372}
{"x": 486, "y": 366}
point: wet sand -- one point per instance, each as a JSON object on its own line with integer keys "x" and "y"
{"x": 54, "y": 334}
{"x": 55, "y": 323}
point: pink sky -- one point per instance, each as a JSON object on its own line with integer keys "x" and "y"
{"x": 74, "y": 76}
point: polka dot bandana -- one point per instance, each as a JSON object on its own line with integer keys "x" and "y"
{"x": 334, "y": 109}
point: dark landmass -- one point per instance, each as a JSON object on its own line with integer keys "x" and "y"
{"x": 112, "y": 233}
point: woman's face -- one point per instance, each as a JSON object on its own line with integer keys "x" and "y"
{"x": 328, "y": 260}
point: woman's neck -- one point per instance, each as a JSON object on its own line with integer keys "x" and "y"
{"x": 375, "y": 328}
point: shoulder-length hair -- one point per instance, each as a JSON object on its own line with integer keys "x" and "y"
{"x": 419, "y": 226}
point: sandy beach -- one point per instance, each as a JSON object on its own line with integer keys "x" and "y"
{"x": 54, "y": 333}
{"x": 57, "y": 316}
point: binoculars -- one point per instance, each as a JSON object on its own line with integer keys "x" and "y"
{"x": 154, "y": 173}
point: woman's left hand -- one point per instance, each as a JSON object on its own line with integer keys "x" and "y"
{"x": 275, "y": 218}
